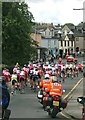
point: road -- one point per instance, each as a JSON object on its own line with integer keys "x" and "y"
{"x": 27, "y": 105}
{"x": 74, "y": 108}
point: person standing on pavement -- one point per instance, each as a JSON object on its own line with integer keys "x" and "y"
{"x": 4, "y": 98}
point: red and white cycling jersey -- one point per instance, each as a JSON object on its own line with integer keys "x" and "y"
{"x": 15, "y": 69}
{"x": 40, "y": 72}
{"x": 48, "y": 72}
{"x": 22, "y": 74}
{"x": 6, "y": 74}
{"x": 45, "y": 67}
{"x": 26, "y": 70}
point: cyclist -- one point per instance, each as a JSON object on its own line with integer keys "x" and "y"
{"x": 22, "y": 81}
{"x": 14, "y": 82}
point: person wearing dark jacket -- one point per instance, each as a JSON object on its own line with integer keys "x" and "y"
{"x": 4, "y": 98}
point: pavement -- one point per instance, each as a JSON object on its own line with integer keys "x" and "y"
{"x": 74, "y": 109}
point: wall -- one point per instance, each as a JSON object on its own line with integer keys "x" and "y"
{"x": 36, "y": 37}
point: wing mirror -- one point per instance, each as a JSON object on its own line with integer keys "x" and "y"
{"x": 81, "y": 100}
{"x": 63, "y": 91}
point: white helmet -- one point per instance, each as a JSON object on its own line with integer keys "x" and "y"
{"x": 47, "y": 76}
{"x": 54, "y": 79}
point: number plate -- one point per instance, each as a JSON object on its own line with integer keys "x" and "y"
{"x": 56, "y": 103}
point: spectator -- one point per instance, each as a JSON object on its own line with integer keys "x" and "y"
{"x": 4, "y": 99}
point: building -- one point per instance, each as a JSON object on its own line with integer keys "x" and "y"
{"x": 36, "y": 36}
{"x": 66, "y": 40}
{"x": 49, "y": 39}
{"x": 51, "y": 44}
{"x": 80, "y": 37}
{"x": 57, "y": 39}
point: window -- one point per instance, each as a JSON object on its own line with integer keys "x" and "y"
{"x": 71, "y": 43}
{"x": 61, "y": 43}
{"x": 45, "y": 32}
{"x": 68, "y": 43}
{"x": 54, "y": 42}
{"x": 52, "y": 32}
{"x": 65, "y": 43}
{"x": 77, "y": 39}
{"x": 49, "y": 32}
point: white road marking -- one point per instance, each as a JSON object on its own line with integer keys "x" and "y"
{"x": 73, "y": 89}
{"x": 69, "y": 95}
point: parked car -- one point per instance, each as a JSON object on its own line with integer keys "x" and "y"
{"x": 71, "y": 59}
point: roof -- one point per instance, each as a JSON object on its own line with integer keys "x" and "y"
{"x": 70, "y": 26}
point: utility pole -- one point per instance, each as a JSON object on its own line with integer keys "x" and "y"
{"x": 83, "y": 108}
{"x": 78, "y": 9}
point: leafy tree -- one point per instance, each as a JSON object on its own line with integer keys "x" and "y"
{"x": 16, "y": 29}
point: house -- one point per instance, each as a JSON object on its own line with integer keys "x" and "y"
{"x": 49, "y": 40}
{"x": 66, "y": 40}
{"x": 59, "y": 39}
{"x": 51, "y": 44}
{"x": 72, "y": 38}
{"x": 80, "y": 37}
{"x": 37, "y": 37}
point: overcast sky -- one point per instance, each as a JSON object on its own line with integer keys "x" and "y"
{"x": 56, "y": 11}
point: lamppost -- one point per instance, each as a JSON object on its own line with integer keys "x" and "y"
{"x": 60, "y": 44}
{"x": 73, "y": 44}
{"x": 83, "y": 109}
{"x": 78, "y": 9}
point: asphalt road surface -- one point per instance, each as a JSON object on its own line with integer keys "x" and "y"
{"x": 27, "y": 105}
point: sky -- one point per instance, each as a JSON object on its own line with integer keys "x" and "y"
{"x": 56, "y": 11}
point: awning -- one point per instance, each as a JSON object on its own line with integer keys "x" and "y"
{"x": 41, "y": 47}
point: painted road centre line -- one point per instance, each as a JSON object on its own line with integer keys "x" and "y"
{"x": 68, "y": 95}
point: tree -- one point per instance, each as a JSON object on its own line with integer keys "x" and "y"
{"x": 16, "y": 29}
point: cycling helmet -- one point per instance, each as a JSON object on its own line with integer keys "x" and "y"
{"x": 47, "y": 76}
{"x": 54, "y": 79}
